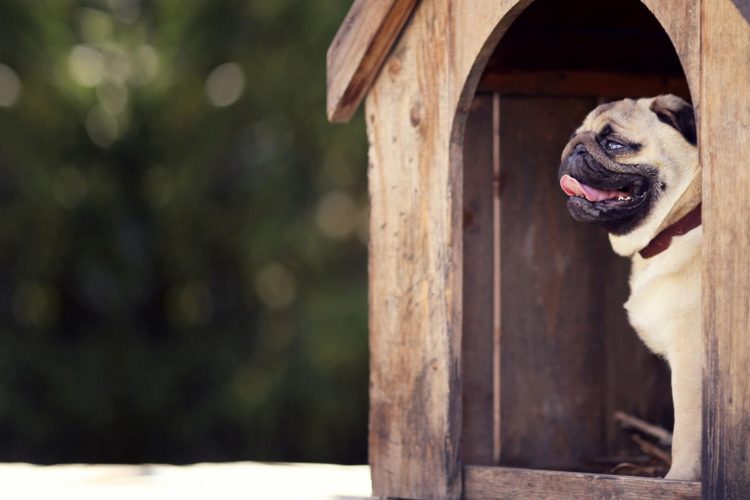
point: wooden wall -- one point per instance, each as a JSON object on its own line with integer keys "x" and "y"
{"x": 543, "y": 294}
{"x": 724, "y": 135}
{"x": 567, "y": 356}
{"x": 416, "y": 115}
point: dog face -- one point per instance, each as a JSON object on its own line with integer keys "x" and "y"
{"x": 630, "y": 164}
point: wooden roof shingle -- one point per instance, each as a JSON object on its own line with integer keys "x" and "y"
{"x": 358, "y": 51}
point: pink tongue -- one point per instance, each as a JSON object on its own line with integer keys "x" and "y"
{"x": 572, "y": 188}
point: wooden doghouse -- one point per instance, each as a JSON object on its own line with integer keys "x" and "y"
{"x": 498, "y": 345}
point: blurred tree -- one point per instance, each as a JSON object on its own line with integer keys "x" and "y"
{"x": 182, "y": 257}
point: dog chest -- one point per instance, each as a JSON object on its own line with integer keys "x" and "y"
{"x": 665, "y": 294}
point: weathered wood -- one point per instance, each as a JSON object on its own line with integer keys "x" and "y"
{"x": 358, "y": 51}
{"x": 597, "y": 351}
{"x": 500, "y": 483}
{"x": 562, "y": 291}
{"x": 416, "y": 115}
{"x": 681, "y": 20}
{"x": 477, "y": 343}
{"x": 497, "y": 279}
{"x": 607, "y": 85}
{"x": 552, "y": 363}
{"x": 724, "y": 137}
{"x": 416, "y": 227}
{"x": 370, "y": 29}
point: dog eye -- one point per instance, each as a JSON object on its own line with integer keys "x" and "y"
{"x": 613, "y": 145}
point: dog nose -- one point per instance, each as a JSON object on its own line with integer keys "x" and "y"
{"x": 579, "y": 149}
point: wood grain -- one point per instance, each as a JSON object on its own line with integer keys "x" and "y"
{"x": 552, "y": 359}
{"x": 416, "y": 245}
{"x": 477, "y": 343}
{"x": 500, "y": 483}
{"x": 724, "y": 137}
{"x": 358, "y": 51}
{"x": 681, "y": 20}
{"x": 416, "y": 117}
{"x": 567, "y": 340}
{"x": 568, "y": 356}
{"x": 415, "y": 286}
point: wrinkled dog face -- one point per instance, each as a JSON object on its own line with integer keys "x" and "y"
{"x": 626, "y": 159}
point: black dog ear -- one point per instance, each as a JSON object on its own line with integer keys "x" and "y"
{"x": 676, "y": 113}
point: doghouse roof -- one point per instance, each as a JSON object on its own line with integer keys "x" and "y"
{"x": 605, "y": 45}
{"x": 358, "y": 51}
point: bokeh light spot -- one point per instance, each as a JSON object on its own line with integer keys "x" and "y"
{"x": 275, "y": 286}
{"x": 86, "y": 65}
{"x": 96, "y": 26}
{"x": 102, "y": 126}
{"x": 117, "y": 64}
{"x": 10, "y": 86}
{"x": 337, "y": 215}
{"x": 112, "y": 95}
{"x": 225, "y": 84}
{"x": 145, "y": 65}
{"x": 126, "y": 11}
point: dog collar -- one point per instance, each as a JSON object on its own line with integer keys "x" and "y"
{"x": 662, "y": 240}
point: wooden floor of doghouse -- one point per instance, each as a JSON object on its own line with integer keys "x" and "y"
{"x": 495, "y": 483}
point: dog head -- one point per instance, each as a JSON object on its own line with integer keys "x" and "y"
{"x": 632, "y": 167}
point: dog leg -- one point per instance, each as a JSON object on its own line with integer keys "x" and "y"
{"x": 687, "y": 380}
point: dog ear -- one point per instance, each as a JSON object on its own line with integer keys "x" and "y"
{"x": 676, "y": 113}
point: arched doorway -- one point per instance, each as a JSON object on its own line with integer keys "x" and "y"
{"x": 552, "y": 356}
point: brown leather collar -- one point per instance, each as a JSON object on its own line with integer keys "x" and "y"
{"x": 662, "y": 240}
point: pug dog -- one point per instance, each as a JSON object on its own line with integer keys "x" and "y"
{"x": 632, "y": 168}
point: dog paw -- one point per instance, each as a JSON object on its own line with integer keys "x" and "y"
{"x": 684, "y": 473}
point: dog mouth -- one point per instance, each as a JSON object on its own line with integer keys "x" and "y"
{"x": 629, "y": 193}
{"x": 617, "y": 197}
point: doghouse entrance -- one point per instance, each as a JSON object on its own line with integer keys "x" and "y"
{"x": 548, "y": 355}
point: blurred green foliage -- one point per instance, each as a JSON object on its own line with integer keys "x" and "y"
{"x": 182, "y": 235}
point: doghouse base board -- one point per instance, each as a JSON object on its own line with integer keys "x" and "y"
{"x": 495, "y": 483}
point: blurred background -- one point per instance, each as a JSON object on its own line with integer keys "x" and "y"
{"x": 182, "y": 235}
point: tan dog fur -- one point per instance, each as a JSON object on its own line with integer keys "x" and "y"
{"x": 664, "y": 305}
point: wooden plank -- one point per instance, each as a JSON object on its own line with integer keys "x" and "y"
{"x": 497, "y": 279}
{"x": 553, "y": 351}
{"x": 681, "y": 20}
{"x": 415, "y": 285}
{"x": 612, "y": 345}
{"x": 416, "y": 115}
{"x": 724, "y": 124}
{"x": 416, "y": 244}
{"x": 500, "y": 483}
{"x": 607, "y": 85}
{"x": 358, "y": 51}
{"x": 477, "y": 343}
